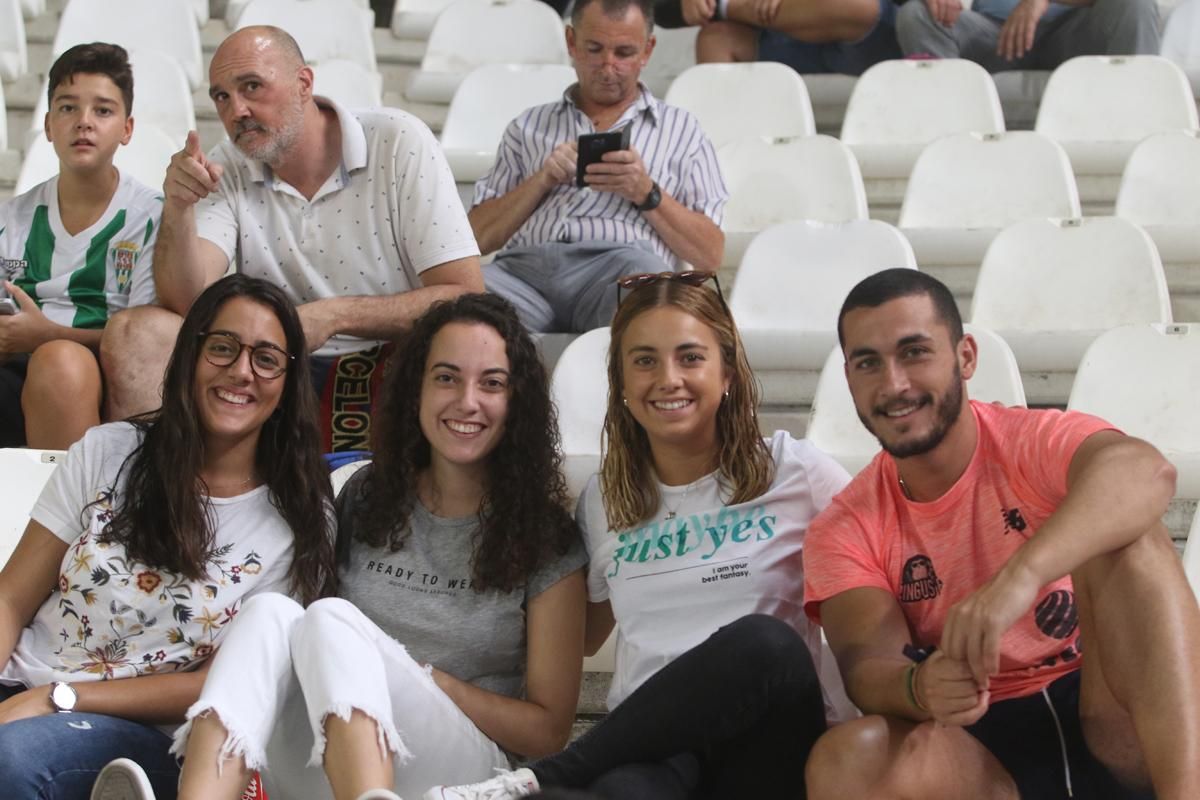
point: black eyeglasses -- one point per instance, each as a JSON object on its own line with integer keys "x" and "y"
{"x": 694, "y": 277}
{"x": 266, "y": 360}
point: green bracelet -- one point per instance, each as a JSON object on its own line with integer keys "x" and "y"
{"x": 910, "y": 686}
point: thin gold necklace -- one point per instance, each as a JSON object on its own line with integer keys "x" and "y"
{"x": 222, "y": 487}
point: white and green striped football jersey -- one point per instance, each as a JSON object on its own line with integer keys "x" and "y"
{"x": 80, "y": 281}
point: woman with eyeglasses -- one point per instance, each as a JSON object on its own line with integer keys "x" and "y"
{"x": 457, "y": 635}
{"x": 695, "y": 530}
{"x": 147, "y": 540}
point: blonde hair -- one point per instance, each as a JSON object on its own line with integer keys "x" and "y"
{"x": 627, "y": 480}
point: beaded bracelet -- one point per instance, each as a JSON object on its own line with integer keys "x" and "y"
{"x": 910, "y": 685}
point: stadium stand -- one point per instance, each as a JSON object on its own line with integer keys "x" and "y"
{"x": 234, "y": 9}
{"x": 1099, "y": 107}
{"x": 470, "y": 33}
{"x": 1144, "y": 380}
{"x": 966, "y": 187}
{"x": 487, "y": 101}
{"x": 899, "y": 107}
{"x": 3, "y": 121}
{"x": 1181, "y": 40}
{"x": 324, "y": 29}
{"x": 835, "y": 428}
{"x": 348, "y": 83}
{"x": 813, "y": 265}
{"x": 161, "y": 97}
{"x": 14, "y": 55}
{"x": 32, "y": 8}
{"x": 413, "y": 19}
{"x": 1159, "y": 191}
{"x": 165, "y": 25}
{"x": 777, "y": 180}
{"x": 732, "y": 101}
{"x": 25, "y": 471}
{"x": 1051, "y": 286}
{"x": 579, "y": 388}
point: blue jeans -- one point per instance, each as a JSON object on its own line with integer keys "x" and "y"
{"x": 57, "y": 756}
{"x": 847, "y": 58}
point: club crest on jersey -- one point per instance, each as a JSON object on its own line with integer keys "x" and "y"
{"x": 124, "y": 256}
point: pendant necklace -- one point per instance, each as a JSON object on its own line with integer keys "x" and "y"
{"x": 672, "y": 512}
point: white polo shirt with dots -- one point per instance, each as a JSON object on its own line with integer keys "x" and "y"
{"x": 389, "y": 212}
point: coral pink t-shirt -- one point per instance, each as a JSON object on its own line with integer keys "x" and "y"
{"x": 930, "y": 556}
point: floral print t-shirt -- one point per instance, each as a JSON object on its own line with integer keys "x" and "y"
{"x": 113, "y": 617}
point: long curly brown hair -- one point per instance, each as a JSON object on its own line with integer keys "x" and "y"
{"x": 627, "y": 479}
{"x": 165, "y": 518}
{"x": 523, "y": 519}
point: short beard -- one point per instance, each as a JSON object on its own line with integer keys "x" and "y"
{"x": 948, "y": 412}
{"x": 280, "y": 140}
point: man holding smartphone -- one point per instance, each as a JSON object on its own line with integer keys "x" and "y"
{"x": 648, "y": 207}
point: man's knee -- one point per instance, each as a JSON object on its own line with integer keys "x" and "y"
{"x": 725, "y": 42}
{"x": 61, "y": 368}
{"x": 848, "y": 759}
{"x": 137, "y": 331}
{"x": 913, "y": 24}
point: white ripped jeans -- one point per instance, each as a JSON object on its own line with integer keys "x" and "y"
{"x": 282, "y": 669}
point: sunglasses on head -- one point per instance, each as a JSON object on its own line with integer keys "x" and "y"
{"x": 693, "y": 277}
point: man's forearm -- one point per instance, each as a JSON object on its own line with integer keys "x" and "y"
{"x": 880, "y": 686}
{"x": 495, "y": 221}
{"x": 385, "y": 317}
{"x": 1119, "y": 494}
{"x": 692, "y": 236}
{"x": 178, "y": 273}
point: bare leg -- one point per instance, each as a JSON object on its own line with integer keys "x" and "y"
{"x": 1140, "y": 625}
{"x": 882, "y": 758}
{"x": 200, "y": 779}
{"x": 134, "y": 352}
{"x": 354, "y": 759}
{"x": 726, "y": 43}
{"x": 815, "y": 21}
{"x": 62, "y": 394}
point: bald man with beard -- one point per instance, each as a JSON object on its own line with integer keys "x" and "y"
{"x": 354, "y": 214}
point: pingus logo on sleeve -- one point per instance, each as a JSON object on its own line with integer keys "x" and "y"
{"x": 919, "y": 581}
{"x": 124, "y": 257}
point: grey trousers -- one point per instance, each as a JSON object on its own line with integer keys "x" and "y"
{"x": 567, "y": 288}
{"x": 1107, "y": 27}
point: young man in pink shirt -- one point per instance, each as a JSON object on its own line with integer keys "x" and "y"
{"x": 1002, "y": 598}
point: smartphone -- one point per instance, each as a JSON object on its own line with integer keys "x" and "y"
{"x": 593, "y": 146}
{"x": 8, "y": 306}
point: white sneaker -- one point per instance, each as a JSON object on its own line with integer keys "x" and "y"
{"x": 505, "y": 786}
{"x": 122, "y": 779}
{"x": 378, "y": 794}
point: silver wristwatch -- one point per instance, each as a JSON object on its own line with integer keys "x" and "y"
{"x": 63, "y": 697}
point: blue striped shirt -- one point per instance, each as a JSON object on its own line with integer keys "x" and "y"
{"x": 677, "y": 155}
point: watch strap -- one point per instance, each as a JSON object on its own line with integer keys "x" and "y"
{"x": 652, "y": 199}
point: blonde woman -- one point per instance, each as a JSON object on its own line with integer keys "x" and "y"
{"x": 695, "y": 528}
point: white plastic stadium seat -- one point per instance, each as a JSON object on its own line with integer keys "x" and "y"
{"x": 674, "y": 52}
{"x": 1100, "y": 107}
{"x": 23, "y": 473}
{"x": 165, "y": 25}
{"x": 324, "y": 29}
{"x": 579, "y": 388}
{"x": 145, "y": 158}
{"x": 161, "y": 98}
{"x": 32, "y": 8}
{"x": 489, "y": 98}
{"x": 470, "y": 33}
{"x": 732, "y": 101}
{"x": 200, "y": 7}
{"x": 348, "y": 83}
{"x": 793, "y": 280}
{"x": 835, "y": 428}
{"x": 966, "y": 187}
{"x": 1159, "y": 192}
{"x": 1144, "y": 379}
{"x": 413, "y": 19}
{"x": 1051, "y": 286}
{"x": 777, "y": 180}
{"x": 900, "y": 106}
{"x": 1181, "y": 39}
{"x": 344, "y": 473}
{"x": 3, "y": 122}
{"x": 14, "y": 55}
{"x": 234, "y": 9}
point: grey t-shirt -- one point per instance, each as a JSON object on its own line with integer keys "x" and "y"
{"x": 421, "y": 596}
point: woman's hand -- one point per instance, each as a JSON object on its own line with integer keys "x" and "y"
{"x": 30, "y": 703}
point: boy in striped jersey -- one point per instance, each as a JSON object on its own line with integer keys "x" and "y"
{"x": 74, "y": 250}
